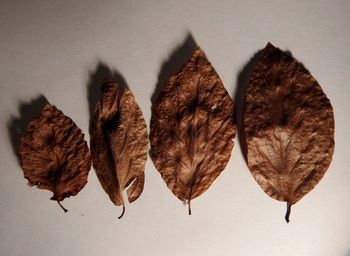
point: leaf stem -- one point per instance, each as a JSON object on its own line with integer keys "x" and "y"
{"x": 64, "y": 209}
{"x": 189, "y": 207}
{"x": 288, "y": 212}
{"x": 122, "y": 212}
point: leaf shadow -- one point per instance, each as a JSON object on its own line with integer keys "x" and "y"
{"x": 101, "y": 73}
{"x": 177, "y": 58}
{"x": 348, "y": 252}
{"x": 17, "y": 125}
{"x": 239, "y": 98}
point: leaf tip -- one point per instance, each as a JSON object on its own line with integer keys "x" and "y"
{"x": 269, "y": 44}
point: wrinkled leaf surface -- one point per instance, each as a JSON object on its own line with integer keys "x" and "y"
{"x": 54, "y": 154}
{"x": 289, "y": 127}
{"x": 119, "y": 143}
{"x": 192, "y": 129}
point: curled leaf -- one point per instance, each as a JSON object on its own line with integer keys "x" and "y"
{"x": 192, "y": 129}
{"x": 119, "y": 143}
{"x": 54, "y": 154}
{"x": 289, "y": 127}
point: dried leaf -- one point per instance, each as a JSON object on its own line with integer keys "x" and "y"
{"x": 192, "y": 129}
{"x": 54, "y": 154}
{"x": 289, "y": 127}
{"x": 119, "y": 144}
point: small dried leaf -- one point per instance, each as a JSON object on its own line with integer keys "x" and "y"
{"x": 192, "y": 129}
{"x": 119, "y": 143}
{"x": 54, "y": 154}
{"x": 289, "y": 127}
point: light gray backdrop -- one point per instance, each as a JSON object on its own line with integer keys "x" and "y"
{"x": 62, "y": 50}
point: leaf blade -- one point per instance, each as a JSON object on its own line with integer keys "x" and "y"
{"x": 119, "y": 143}
{"x": 285, "y": 111}
{"x": 54, "y": 154}
{"x": 192, "y": 128}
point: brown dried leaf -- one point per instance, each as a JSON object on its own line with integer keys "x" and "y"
{"x": 289, "y": 127}
{"x": 54, "y": 154}
{"x": 192, "y": 129}
{"x": 119, "y": 144}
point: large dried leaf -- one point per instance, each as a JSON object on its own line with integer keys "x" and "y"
{"x": 192, "y": 129}
{"x": 119, "y": 143}
{"x": 289, "y": 127}
{"x": 54, "y": 154}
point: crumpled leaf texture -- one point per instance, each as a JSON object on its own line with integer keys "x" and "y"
{"x": 289, "y": 127}
{"x": 119, "y": 143}
{"x": 54, "y": 154}
{"x": 192, "y": 129}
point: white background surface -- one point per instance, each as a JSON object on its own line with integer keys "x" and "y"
{"x": 58, "y": 48}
